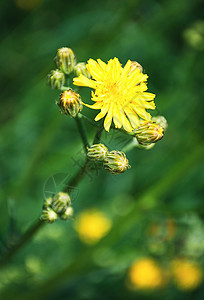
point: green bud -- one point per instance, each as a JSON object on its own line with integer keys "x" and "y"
{"x": 70, "y": 103}
{"x": 68, "y": 214}
{"x": 56, "y": 79}
{"x": 135, "y": 65}
{"x": 148, "y": 133}
{"x": 81, "y": 69}
{"x": 48, "y": 215}
{"x": 116, "y": 162}
{"x": 97, "y": 152}
{"x": 160, "y": 120}
{"x": 47, "y": 202}
{"x": 65, "y": 60}
{"x": 60, "y": 202}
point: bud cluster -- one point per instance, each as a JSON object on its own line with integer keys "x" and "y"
{"x": 65, "y": 61}
{"x": 57, "y": 206}
{"x": 115, "y": 162}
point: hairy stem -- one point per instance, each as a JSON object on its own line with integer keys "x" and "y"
{"x": 82, "y": 132}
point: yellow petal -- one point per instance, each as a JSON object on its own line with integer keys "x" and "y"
{"x": 103, "y": 112}
{"x": 117, "y": 117}
{"x": 132, "y": 116}
{"x": 84, "y": 81}
{"x": 94, "y": 106}
{"x": 148, "y": 96}
{"x": 125, "y": 121}
{"x": 108, "y": 118}
{"x": 95, "y": 70}
{"x": 102, "y": 64}
{"x": 142, "y": 113}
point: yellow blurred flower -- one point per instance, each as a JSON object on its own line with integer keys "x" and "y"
{"x": 145, "y": 274}
{"x": 92, "y": 225}
{"x": 120, "y": 93}
{"x": 187, "y": 275}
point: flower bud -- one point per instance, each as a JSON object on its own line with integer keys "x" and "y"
{"x": 48, "y": 215}
{"x": 56, "y": 79}
{"x": 47, "y": 202}
{"x": 70, "y": 103}
{"x": 60, "y": 202}
{"x": 68, "y": 213}
{"x": 135, "y": 65}
{"x": 148, "y": 133}
{"x": 116, "y": 162}
{"x": 97, "y": 152}
{"x": 160, "y": 120}
{"x": 65, "y": 60}
{"x": 81, "y": 69}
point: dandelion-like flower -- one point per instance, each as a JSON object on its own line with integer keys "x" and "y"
{"x": 187, "y": 274}
{"x": 120, "y": 93}
{"x": 92, "y": 225}
{"x": 146, "y": 274}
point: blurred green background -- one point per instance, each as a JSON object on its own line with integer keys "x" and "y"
{"x": 156, "y": 208}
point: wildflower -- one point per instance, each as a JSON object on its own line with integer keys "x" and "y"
{"x": 146, "y": 274}
{"x": 65, "y": 60}
{"x": 97, "y": 152}
{"x": 187, "y": 274}
{"x": 56, "y": 79}
{"x": 92, "y": 225}
{"x": 116, "y": 162}
{"x": 70, "y": 103}
{"x": 120, "y": 93}
{"x": 148, "y": 133}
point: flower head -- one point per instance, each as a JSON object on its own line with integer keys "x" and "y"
{"x": 92, "y": 225}
{"x": 120, "y": 93}
{"x": 146, "y": 274}
{"x": 187, "y": 274}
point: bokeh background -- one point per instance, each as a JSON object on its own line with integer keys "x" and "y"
{"x": 142, "y": 232}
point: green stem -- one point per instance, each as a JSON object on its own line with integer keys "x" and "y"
{"x": 23, "y": 240}
{"x": 78, "y": 177}
{"x": 130, "y": 146}
{"x": 37, "y": 225}
{"x": 82, "y": 132}
{"x": 64, "y": 88}
{"x": 98, "y": 135}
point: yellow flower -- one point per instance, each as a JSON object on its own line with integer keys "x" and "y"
{"x": 146, "y": 274}
{"x": 187, "y": 275}
{"x": 120, "y": 93}
{"x": 92, "y": 225}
